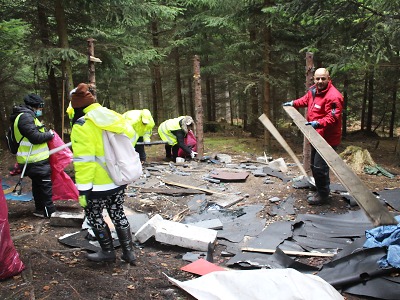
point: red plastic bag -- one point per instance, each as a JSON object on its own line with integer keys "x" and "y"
{"x": 10, "y": 263}
{"x": 191, "y": 142}
{"x": 63, "y": 186}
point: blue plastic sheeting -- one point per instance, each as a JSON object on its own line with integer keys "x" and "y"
{"x": 386, "y": 236}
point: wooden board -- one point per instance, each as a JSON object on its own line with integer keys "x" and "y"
{"x": 275, "y": 133}
{"x": 376, "y": 212}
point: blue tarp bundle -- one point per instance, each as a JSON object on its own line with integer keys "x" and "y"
{"x": 386, "y": 236}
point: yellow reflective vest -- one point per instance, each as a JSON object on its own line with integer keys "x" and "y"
{"x": 165, "y": 128}
{"x": 88, "y": 150}
{"x": 134, "y": 117}
{"x": 39, "y": 151}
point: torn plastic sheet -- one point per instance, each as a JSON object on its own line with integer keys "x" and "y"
{"x": 277, "y": 260}
{"x": 330, "y": 231}
{"x": 391, "y": 197}
{"x": 356, "y": 272}
{"x": 262, "y": 284}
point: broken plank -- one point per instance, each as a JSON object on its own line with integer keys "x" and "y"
{"x": 288, "y": 252}
{"x": 376, "y": 212}
{"x": 275, "y": 133}
{"x": 207, "y": 191}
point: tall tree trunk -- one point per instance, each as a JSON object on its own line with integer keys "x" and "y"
{"x": 370, "y": 99}
{"x": 67, "y": 81}
{"x": 344, "y": 111}
{"x": 364, "y": 102}
{"x": 308, "y": 84}
{"x": 208, "y": 99}
{"x": 393, "y": 114}
{"x": 63, "y": 42}
{"x": 213, "y": 100}
{"x": 191, "y": 99}
{"x": 178, "y": 83}
{"x": 154, "y": 98}
{"x": 267, "y": 107}
{"x": 157, "y": 75}
{"x": 51, "y": 79}
{"x": 253, "y": 90}
{"x": 199, "y": 114}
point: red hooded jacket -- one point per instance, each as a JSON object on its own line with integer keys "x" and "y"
{"x": 326, "y": 108}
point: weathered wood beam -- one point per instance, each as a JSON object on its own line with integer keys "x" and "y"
{"x": 376, "y": 212}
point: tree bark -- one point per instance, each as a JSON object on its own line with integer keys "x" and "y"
{"x": 344, "y": 111}
{"x": 393, "y": 114}
{"x": 308, "y": 84}
{"x": 51, "y": 79}
{"x": 157, "y": 76}
{"x": 67, "y": 80}
{"x": 178, "y": 83}
{"x": 370, "y": 99}
{"x": 199, "y": 115}
{"x": 267, "y": 107}
{"x": 364, "y": 102}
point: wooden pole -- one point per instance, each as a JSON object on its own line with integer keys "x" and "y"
{"x": 198, "y": 106}
{"x": 308, "y": 84}
{"x": 91, "y": 67}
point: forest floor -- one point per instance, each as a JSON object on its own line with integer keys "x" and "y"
{"x": 55, "y": 271}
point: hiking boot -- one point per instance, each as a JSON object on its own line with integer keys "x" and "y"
{"x": 38, "y": 213}
{"x": 316, "y": 199}
{"x": 45, "y": 213}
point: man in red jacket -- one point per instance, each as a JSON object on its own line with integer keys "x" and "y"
{"x": 324, "y": 113}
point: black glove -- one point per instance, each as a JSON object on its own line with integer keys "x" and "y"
{"x": 289, "y": 103}
{"x": 314, "y": 124}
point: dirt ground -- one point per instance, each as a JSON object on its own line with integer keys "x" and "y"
{"x": 55, "y": 271}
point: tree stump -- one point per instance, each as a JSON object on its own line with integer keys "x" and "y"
{"x": 357, "y": 158}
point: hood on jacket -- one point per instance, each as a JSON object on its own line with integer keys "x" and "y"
{"x": 107, "y": 119}
{"x": 22, "y": 108}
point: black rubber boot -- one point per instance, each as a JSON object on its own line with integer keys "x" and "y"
{"x": 107, "y": 253}
{"x": 125, "y": 239}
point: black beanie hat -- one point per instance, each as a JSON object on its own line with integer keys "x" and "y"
{"x": 34, "y": 100}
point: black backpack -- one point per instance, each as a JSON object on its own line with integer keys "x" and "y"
{"x": 12, "y": 143}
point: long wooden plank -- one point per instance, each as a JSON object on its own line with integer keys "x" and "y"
{"x": 275, "y": 133}
{"x": 288, "y": 252}
{"x": 207, "y": 191}
{"x": 376, "y": 212}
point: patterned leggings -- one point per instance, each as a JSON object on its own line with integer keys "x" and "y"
{"x": 113, "y": 204}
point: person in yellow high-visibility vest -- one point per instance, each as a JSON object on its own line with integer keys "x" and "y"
{"x": 173, "y": 131}
{"x": 34, "y": 142}
{"x": 96, "y": 188}
{"x": 143, "y": 123}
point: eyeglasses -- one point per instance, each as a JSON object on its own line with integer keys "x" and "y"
{"x": 320, "y": 78}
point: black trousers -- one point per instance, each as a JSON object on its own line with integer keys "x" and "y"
{"x": 140, "y": 149}
{"x": 171, "y": 151}
{"x": 320, "y": 171}
{"x": 42, "y": 187}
